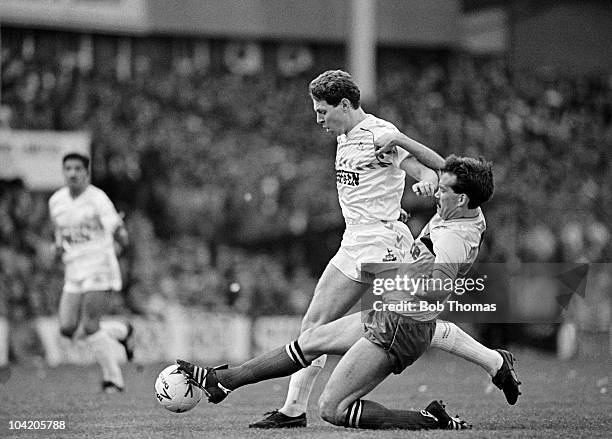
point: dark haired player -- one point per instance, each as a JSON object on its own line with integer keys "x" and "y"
{"x": 86, "y": 229}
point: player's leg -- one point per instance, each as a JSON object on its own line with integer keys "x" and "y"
{"x": 361, "y": 369}
{"x": 334, "y": 296}
{"x": 333, "y": 338}
{"x": 106, "y": 348}
{"x": 497, "y": 362}
{"x": 450, "y": 338}
{"x": 69, "y": 312}
{"x": 390, "y": 343}
{"x": 339, "y": 288}
{"x": 447, "y": 336}
{"x": 121, "y": 331}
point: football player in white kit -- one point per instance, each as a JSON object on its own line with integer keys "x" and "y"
{"x": 87, "y": 228}
{"x": 370, "y": 186}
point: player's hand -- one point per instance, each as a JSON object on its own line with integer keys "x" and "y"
{"x": 384, "y": 144}
{"x": 118, "y": 248}
{"x": 424, "y": 188}
{"x": 121, "y": 237}
{"x": 404, "y": 216}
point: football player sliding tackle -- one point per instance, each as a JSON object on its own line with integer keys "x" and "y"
{"x": 380, "y": 342}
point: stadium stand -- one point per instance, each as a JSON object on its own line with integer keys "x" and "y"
{"x": 236, "y": 169}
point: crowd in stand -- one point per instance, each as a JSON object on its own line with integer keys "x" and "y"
{"x": 206, "y": 164}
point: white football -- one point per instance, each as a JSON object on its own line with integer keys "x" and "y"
{"x": 174, "y": 392}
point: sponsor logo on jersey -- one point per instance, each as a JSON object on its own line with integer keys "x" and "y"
{"x": 84, "y": 232}
{"x": 347, "y": 178}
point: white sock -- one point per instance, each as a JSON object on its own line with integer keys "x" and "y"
{"x": 450, "y": 338}
{"x": 300, "y": 386}
{"x": 116, "y": 329}
{"x": 105, "y": 351}
{"x": 567, "y": 340}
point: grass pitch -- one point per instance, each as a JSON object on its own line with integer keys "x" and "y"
{"x": 560, "y": 400}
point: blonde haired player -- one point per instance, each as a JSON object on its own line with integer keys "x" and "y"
{"x": 87, "y": 227}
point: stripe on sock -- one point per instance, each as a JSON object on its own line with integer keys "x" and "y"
{"x": 347, "y": 419}
{"x": 353, "y": 414}
{"x": 301, "y": 354}
{"x": 358, "y": 415}
{"x": 295, "y": 353}
{"x": 199, "y": 375}
{"x": 447, "y": 330}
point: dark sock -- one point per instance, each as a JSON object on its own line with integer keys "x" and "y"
{"x": 371, "y": 415}
{"x": 280, "y": 362}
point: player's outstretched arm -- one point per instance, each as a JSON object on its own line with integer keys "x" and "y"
{"x": 427, "y": 178}
{"x": 423, "y": 154}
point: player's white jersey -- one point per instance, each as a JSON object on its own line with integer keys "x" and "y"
{"x": 84, "y": 227}
{"x": 448, "y": 245}
{"x": 370, "y": 188}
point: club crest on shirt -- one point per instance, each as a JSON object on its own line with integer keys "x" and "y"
{"x": 415, "y": 251}
{"x": 389, "y": 257}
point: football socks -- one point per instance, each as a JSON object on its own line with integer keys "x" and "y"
{"x": 371, "y": 415}
{"x": 279, "y": 362}
{"x": 105, "y": 349}
{"x": 450, "y": 338}
{"x": 300, "y": 387}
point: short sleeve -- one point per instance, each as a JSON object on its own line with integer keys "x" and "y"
{"x": 53, "y": 202}
{"x": 400, "y": 156}
{"x": 108, "y": 214}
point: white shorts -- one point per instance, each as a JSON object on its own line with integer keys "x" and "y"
{"x": 386, "y": 241}
{"x": 101, "y": 273}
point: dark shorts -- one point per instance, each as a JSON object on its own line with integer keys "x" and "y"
{"x": 403, "y": 338}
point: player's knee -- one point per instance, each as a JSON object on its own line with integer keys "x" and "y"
{"x": 313, "y": 321}
{"x": 306, "y": 340}
{"x": 308, "y": 323}
{"x": 312, "y": 343}
{"x": 329, "y": 410}
{"x": 68, "y": 330}
{"x": 316, "y": 315}
{"x": 315, "y": 341}
{"x": 91, "y": 326}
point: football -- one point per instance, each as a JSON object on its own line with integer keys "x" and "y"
{"x": 174, "y": 392}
